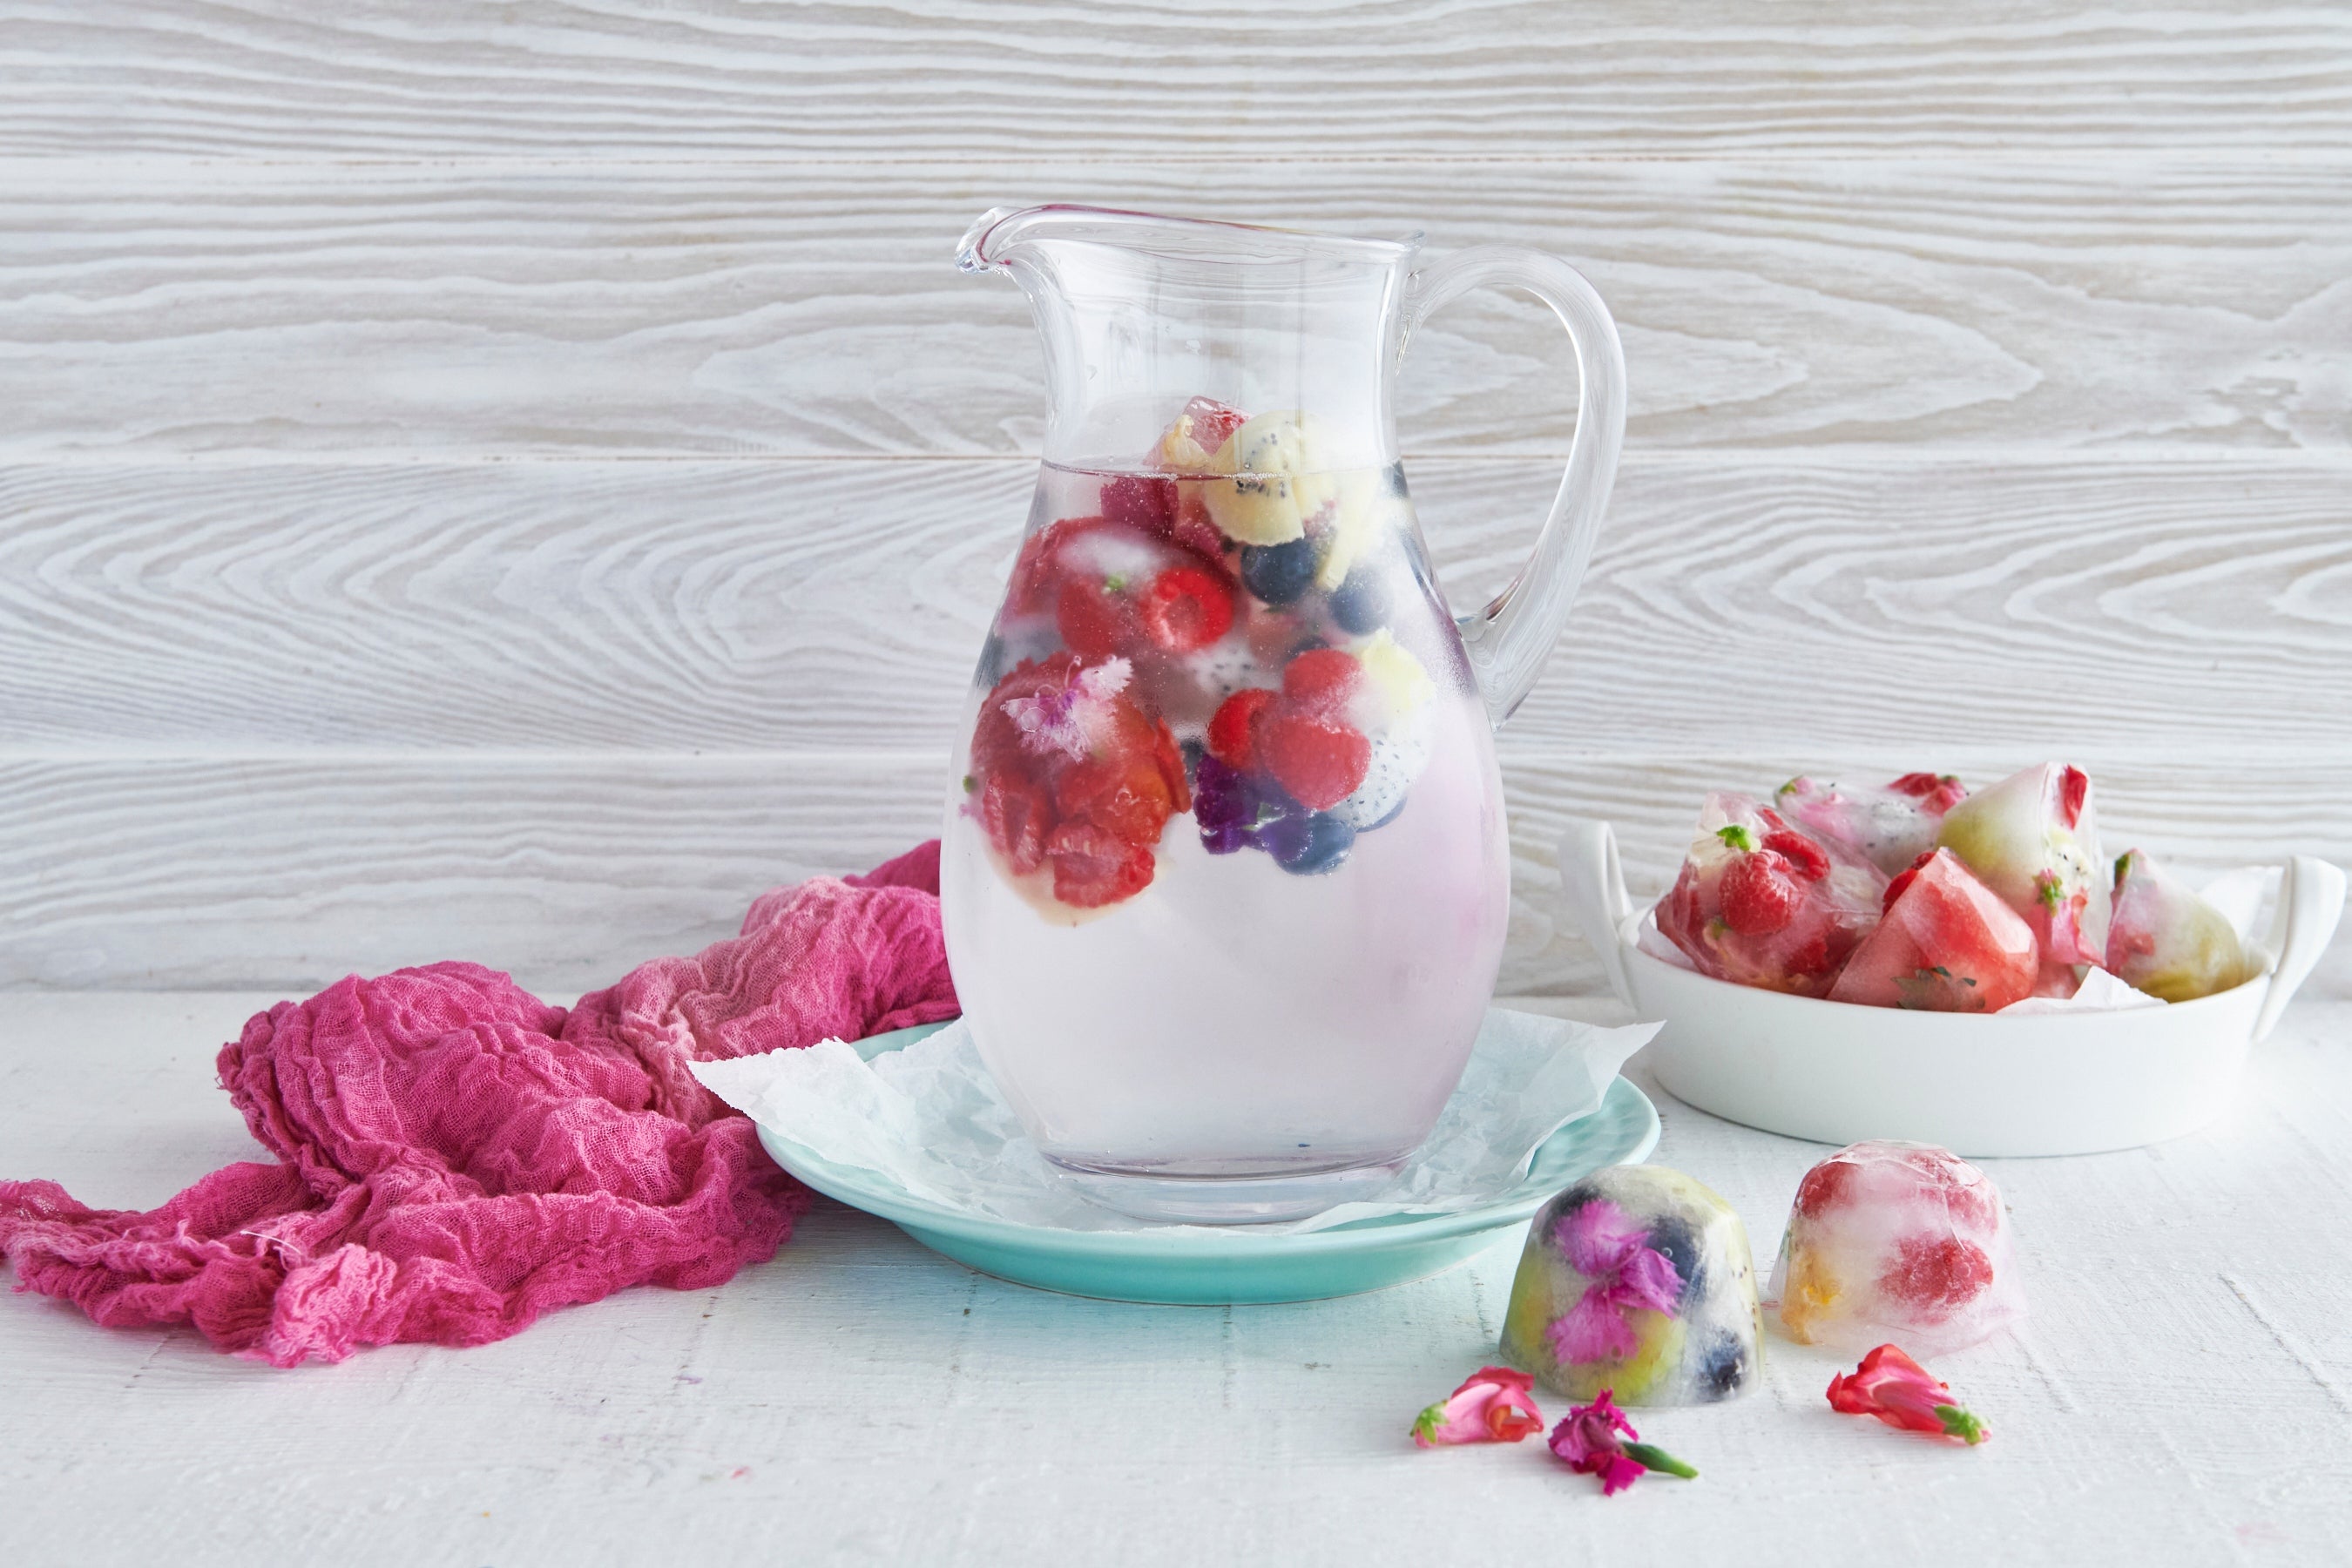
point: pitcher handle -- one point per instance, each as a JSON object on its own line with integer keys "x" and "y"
{"x": 1510, "y": 638}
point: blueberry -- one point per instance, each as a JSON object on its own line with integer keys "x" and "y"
{"x": 1671, "y": 1236}
{"x": 1725, "y": 1369}
{"x": 1307, "y": 846}
{"x": 1362, "y": 603}
{"x": 1278, "y": 574}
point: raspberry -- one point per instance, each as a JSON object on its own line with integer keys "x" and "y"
{"x": 1092, "y": 867}
{"x": 1826, "y": 1186}
{"x": 1936, "y": 1273}
{"x": 1319, "y": 760}
{"x": 1804, "y": 857}
{"x": 1186, "y": 609}
{"x": 1936, "y": 792}
{"x": 1229, "y": 731}
{"x": 1759, "y": 894}
{"x": 1320, "y": 680}
{"x": 1142, "y": 502}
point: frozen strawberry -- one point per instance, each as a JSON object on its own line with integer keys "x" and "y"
{"x": 1761, "y": 893}
{"x": 1946, "y": 944}
{"x": 1319, "y": 760}
{"x": 1185, "y": 609}
{"x": 1321, "y": 680}
{"x": 1094, "y": 867}
{"x": 1760, "y": 903}
{"x": 1229, "y": 731}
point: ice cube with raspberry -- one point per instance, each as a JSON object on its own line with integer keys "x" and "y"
{"x": 1945, "y": 944}
{"x": 1889, "y": 825}
{"x": 1760, "y": 903}
{"x": 2033, "y": 839}
{"x": 1889, "y": 1240}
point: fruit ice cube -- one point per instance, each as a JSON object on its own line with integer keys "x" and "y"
{"x": 1945, "y": 944}
{"x": 1761, "y": 903}
{"x": 1190, "y": 444}
{"x": 2166, "y": 940}
{"x": 1890, "y": 825}
{"x": 1638, "y": 1279}
{"x": 2033, "y": 839}
{"x": 1892, "y": 1240}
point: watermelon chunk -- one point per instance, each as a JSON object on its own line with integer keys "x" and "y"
{"x": 1946, "y": 944}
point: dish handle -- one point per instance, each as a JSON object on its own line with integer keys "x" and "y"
{"x": 2308, "y": 907}
{"x": 1593, "y": 887}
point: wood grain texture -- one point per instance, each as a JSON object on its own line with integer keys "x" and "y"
{"x": 1214, "y": 80}
{"x": 2082, "y": 305}
{"x": 173, "y": 871}
{"x": 1806, "y": 608}
{"x": 998, "y": 1425}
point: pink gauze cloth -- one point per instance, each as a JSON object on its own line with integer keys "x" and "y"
{"x": 457, "y": 1157}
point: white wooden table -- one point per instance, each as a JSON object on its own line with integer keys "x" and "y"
{"x": 2182, "y": 1392}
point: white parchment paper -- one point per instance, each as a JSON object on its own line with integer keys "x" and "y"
{"x": 929, "y": 1118}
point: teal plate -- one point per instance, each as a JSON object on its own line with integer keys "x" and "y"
{"x": 1236, "y": 1265}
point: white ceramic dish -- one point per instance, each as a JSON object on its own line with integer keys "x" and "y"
{"x": 2065, "y": 1083}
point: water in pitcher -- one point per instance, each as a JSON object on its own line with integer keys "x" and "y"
{"x": 1224, "y": 875}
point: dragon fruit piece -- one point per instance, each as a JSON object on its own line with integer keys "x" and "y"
{"x": 1397, "y": 757}
{"x": 1890, "y": 825}
{"x": 2166, "y": 940}
{"x": 1760, "y": 903}
{"x": 2033, "y": 839}
{"x": 1946, "y": 944}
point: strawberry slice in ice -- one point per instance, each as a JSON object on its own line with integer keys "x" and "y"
{"x": 1946, "y": 944}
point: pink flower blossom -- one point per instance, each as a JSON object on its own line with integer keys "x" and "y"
{"x": 1070, "y": 719}
{"x": 1611, "y": 1249}
{"x": 1493, "y": 1405}
{"x": 1900, "y": 1392}
{"x": 1596, "y": 1440}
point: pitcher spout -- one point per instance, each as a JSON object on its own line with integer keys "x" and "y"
{"x": 1139, "y": 312}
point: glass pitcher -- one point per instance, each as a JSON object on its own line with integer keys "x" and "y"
{"x": 1224, "y": 874}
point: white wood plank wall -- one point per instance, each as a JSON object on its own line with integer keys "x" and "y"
{"x": 512, "y": 481}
